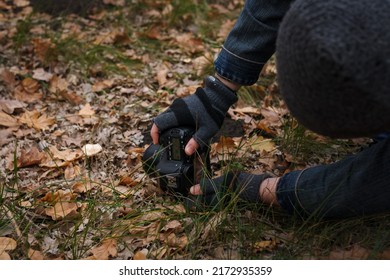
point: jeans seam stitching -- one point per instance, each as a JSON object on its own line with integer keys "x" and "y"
{"x": 239, "y": 57}
{"x": 296, "y": 190}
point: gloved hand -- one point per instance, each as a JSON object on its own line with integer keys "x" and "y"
{"x": 204, "y": 110}
{"x": 221, "y": 189}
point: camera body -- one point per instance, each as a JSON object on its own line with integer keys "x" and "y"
{"x": 176, "y": 172}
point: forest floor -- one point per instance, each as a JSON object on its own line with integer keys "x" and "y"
{"x": 79, "y": 88}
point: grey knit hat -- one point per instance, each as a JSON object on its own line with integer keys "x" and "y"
{"x": 333, "y": 63}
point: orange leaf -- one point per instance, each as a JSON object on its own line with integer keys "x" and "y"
{"x": 140, "y": 255}
{"x": 35, "y": 255}
{"x": 33, "y": 119}
{"x": 30, "y": 85}
{"x": 7, "y": 244}
{"x": 32, "y": 157}
{"x": 9, "y": 106}
{"x": 87, "y": 111}
{"x": 8, "y": 78}
{"x": 7, "y": 120}
{"x": 225, "y": 145}
{"x": 83, "y": 186}
{"x": 61, "y": 209}
{"x": 104, "y": 251}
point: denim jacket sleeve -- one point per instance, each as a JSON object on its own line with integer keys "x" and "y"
{"x": 251, "y": 42}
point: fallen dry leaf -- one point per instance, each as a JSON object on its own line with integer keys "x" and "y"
{"x": 9, "y": 106}
{"x": 21, "y": 3}
{"x": 72, "y": 171}
{"x": 87, "y": 111}
{"x": 34, "y": 119}
{"x": 35, "y": 255}
{"x": 30, "y": 85}
{"x": 42, "y": 48}
{"x": 82, "y": 187}
{"x": 105, "y": 250}
{"x": 173, "y": 240}
{"x": 66, "y": 155}
{"x": 102, "y": 85}
{"x": 140, "y": 255}
{"x": 7, "y": 244}
{"x": 172, "y": 226}
{"x": 189, "y": 43}
{"x": 8, "y": 78}
{"x": 61, "y": 210}
{"x": 5, "y": 136}
{"x": 31, "y": 157}
{"x": 225, "y": 145}
{"x": 267, "y": 245}
{"x": 41, "y": 75}
{"x": 7, "y": 120}
{"x": 261, "y": 144}
{"x": 58, "y": 196}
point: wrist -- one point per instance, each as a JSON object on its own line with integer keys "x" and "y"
{"x": 231, "y": 85}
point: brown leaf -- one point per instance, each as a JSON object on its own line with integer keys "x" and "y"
{"x": 261, "y": 144}
{"x": 61, "y": 210}
{"x": 87, "y": 111}
{"x": 174, "y": 241}
{"x": 9, "y": 106}
{"x": 58, "y": 84}
{"x": 4, "y": 6}
{"x": 72, "y": 172}
{"x": 225, "y": 145}
{"x": 82, "y": 187}
{"x": 172, "y": 226}
{"x": 102, "y": 85}
{"x": 58, "y": 196}
{"x": 127, "y": 181}
{"x": 7, "y": 244}
{"x": 42, "y": 48}
{"x": 267, "y": 245}
{"x": 161, "y": 76}
{"x": 9, "y": 79}
{"x": 66, "y": 154}
{"x": 22, "y": 95}
{"x": 21, "y": 3}
{"x": 30, "y": 85}
{"x": 140, "y": 255}
{"x": 7, "y": 120}
{"x": 105, "y": 250}
{"x": 35, "y": 120}
{"x": 72, "y": 97}
{"x": 189, "y": 43}
{"x": 31, "y": 157}
{"x": 41, "y": 75}
{"x": 4, "y": 256}
{"x": 35, "y": 255}
{"x": 5, "y": 136}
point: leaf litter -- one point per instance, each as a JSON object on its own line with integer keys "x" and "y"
{"x": 72, "y": 135}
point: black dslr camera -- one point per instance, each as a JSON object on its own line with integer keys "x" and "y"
{"x": 175, "y": 171}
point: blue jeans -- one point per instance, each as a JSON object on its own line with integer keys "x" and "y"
{"x": 355, "y": 186}
{"x": 251, "y": 42}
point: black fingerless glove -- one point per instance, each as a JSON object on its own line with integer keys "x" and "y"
{"x": 204, "y": 110}
{"x": 220, "y": 190}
